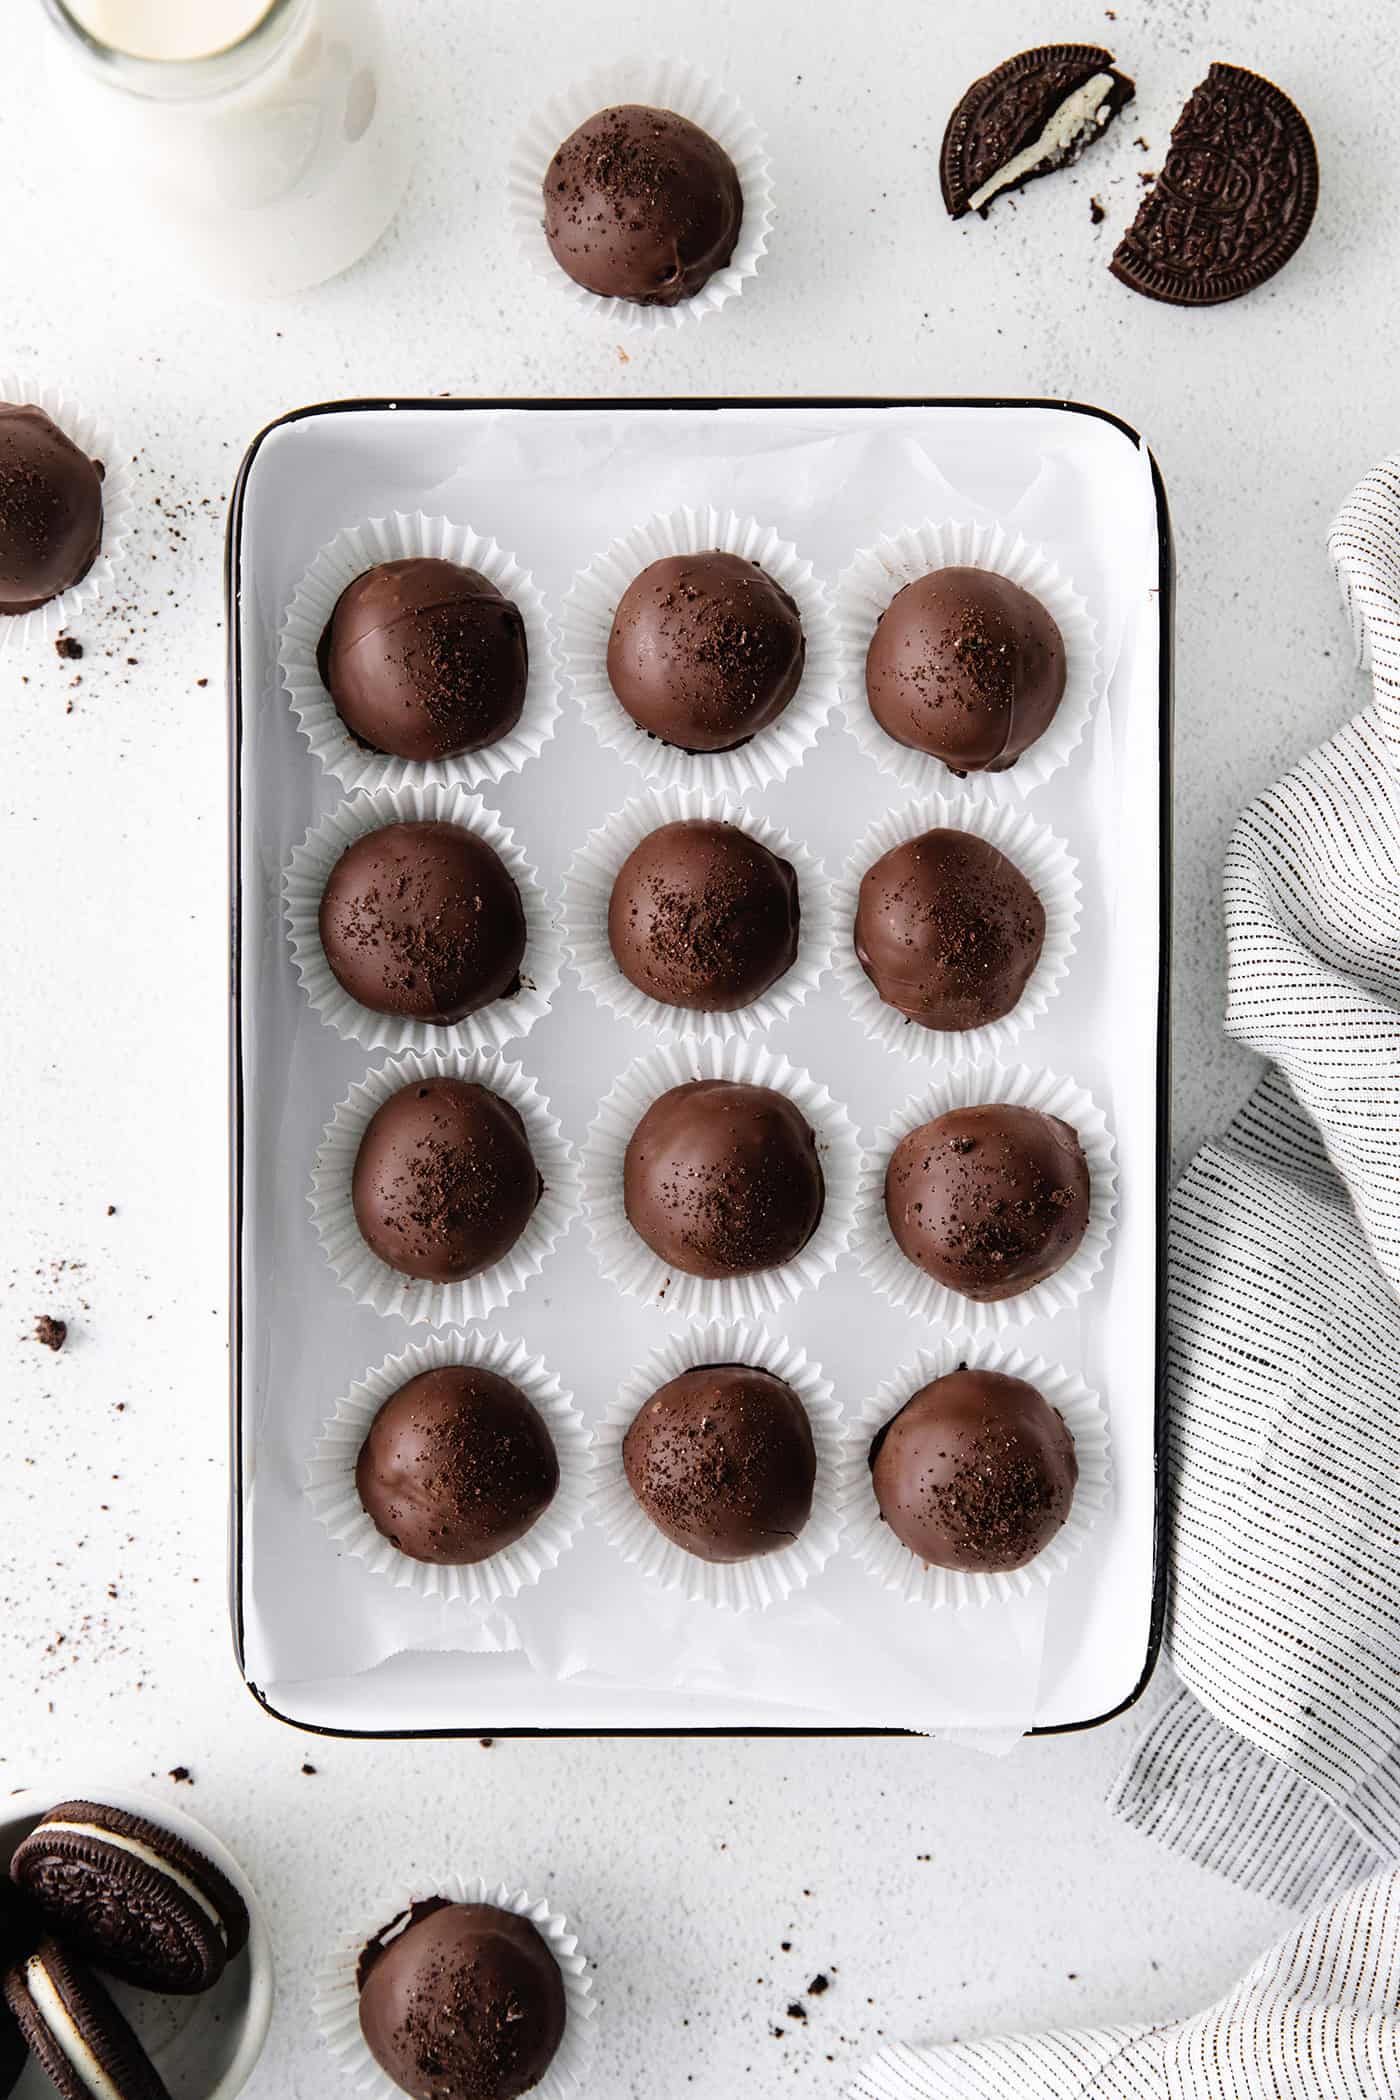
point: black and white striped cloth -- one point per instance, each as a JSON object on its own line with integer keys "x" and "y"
{"x": 1277, "y": 1760}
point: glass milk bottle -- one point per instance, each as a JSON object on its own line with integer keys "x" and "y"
{"x": 263, "y": 141}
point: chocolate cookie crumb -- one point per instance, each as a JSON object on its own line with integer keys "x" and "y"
{"x": 181, "y": 1775}
{"x": 818, "y": 1985}
{"x": 1097, "y": 214}
{"x": 52, "y": 1333}
{"x": 66, "y": 646}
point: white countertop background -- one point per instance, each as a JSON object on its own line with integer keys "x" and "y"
{"x": 943, "y": 1892}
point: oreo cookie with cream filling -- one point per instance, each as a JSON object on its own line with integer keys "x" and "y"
{"x": 1037, "y": 112}
{"x": 75, "y": 2032}
{"x": 131, "y": 1897}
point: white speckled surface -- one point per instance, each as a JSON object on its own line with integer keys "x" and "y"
{"x": 686, "y": 1864}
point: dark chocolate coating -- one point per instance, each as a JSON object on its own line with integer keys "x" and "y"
{"x": 641, "y": 204}
{"x": 966, "y": 666}
{"x": 976, "y": 1472}
{"x": 948, "y": 930}
{"x": 423, "y": 920}
{"x": 50, "y": 510}
{"x": 703, "y": 916}
{"x": 457, "y": 1465}
{"x": 705, "y": 650}
{"x": 722, "y": 1461}
{"x": 444, "y": 1180}
{"x": 467, "y": 2003}
{"x": 133, "y": 1919}
{"x": 989, "y": 1200}
{"x": 722, "y": 1179}
{"x": 425, "y": 659}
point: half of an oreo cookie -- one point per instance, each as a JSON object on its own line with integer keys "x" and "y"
{"x": 75, "y": 2032}
{"x": 1037, "y": 112}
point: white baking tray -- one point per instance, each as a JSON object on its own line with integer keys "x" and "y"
{"x": 322, "y": 1641}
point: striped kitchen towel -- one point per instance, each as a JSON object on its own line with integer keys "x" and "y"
{"x": 1277, "y": 1759}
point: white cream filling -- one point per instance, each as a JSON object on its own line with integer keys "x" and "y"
{"x": 150, "y": 1859}
{"x": 1078, "y": 116}
{"x": 48, "y": 2003}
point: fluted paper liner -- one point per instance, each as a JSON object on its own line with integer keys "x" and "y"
{"x": 656, "y": 84}
{"x": 333, "y": 1495}
{"x": 869, "y": 1538}
{"x": 395, "y": 538}
{"x": 371, "y": 1281}
{"x": 1046, "y": 864}
{"x": 587, "y": 620}
{"x": 879, "y": 572}
{"x": 336, "y": 2002}
{"x": 749, "y": 1585}
{"x": 906, "y": 1285}
{"x": 625, "y": 1258}
{"x": 26, "y": 630}
{"x": 588, "y": 891}
{"x": 491, "y": 1027}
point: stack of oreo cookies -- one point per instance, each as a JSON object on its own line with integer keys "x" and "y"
{"x": 93, "y": 1888}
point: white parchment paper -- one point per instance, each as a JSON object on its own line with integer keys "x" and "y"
{"x": 324, "y": 1641}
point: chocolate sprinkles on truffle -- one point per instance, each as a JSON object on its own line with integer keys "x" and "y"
{"x": 721, "y": 1178}
{"x": 423, "y": 920}
{"x": 50, "y": 509}
{"x": 641, "y": 204}
{"x": 948, "y": 930}
{"x": 976, "y": 1472}
{"x": 458, "y": 1464}
{"x": 704, "y": 916}
{"x": 722, "y": 1460}
{"x": 705, "y": 650}
{"x": 444, "y": 1181}
{"x": 989, "y": 1200}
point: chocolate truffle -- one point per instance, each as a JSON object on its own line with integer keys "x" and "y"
{"x": 966, "y": 666}
{"x": 444, "y": 1181}
{"x": 722, "y": 1179}
{"x": 948, "y": 930}
{"x": 423, "y": 920}
{"x": 457, "y": 1464}
{"x": 50, "y": 510}
{"x": 425, "y": 659}
{"x": 989, "y": 1200}
{"x": 976, "y": 1472}
{"x": 722, "y": 1461}
{"x": 465, "y": 2003}
{"x": 703, "y": 916}
{"x": 705, "y": 650}
{"x": 641, "y": 204}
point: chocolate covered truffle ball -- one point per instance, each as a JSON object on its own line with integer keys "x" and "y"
{"x": 444, "y": 1181}
{"x": 722, "y": 1179}
{"x": 703, "y": 916}
{"x": 966, "y": 666}
{"x": 722, "y": 1461}
{"x": 705, "y": 650}
{"x": 989, "y": 1200}
{"x": 641, "y": 204}
{"x": 458, "y": 1464}
{"x": 423, "y": 920}
{"x": 425, "y": 659}
{"x": 50, "y": 510}
{"x": 948, "y": 930}
{"x": 465, "y": 2003}
{"x": 975, "y": 1472}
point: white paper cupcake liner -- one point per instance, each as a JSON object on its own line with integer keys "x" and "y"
{"x": 1048, "y": 867}
{"x": 656, "y": 84}
{"x": 25, "y": 630}
{"x": 336, "y": 2001}
{"x": 349, "y": 554}
{"x": 625, "y": 1258}
{"x": 869, "y": 1538}
{"x": 751, "y": 1585}
{"x": 333, "y": 1495}
{"x": 504, "y": 1020}
{"x": 587, "y": 621}
{"x": 588, "y": 889}
{"x": 371, "y": 1281}
{"x": 879, "y": 572}
{"x": 896, "y": 1278}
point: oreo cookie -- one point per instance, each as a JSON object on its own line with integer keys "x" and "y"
{"x": 1037, "y": 112}
{"x": 136, "y": 1900}
{"x": 14, "y": 2053}
{"x": 1234, "y": 201}
{"x": 75, "y": 2032}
